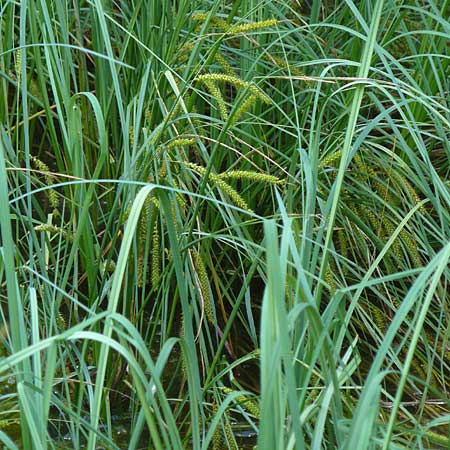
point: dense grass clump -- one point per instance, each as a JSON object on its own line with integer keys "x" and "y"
{"x": 225, "y": 224}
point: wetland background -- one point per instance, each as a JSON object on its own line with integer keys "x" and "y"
{"x": 224, "y": 224}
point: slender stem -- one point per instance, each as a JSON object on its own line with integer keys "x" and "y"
{"x": 330, "y": 219}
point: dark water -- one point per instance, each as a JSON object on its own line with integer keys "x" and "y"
{"x": 245, "y": 437}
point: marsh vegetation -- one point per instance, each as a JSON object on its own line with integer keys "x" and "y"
{"x": 224, "y": 224}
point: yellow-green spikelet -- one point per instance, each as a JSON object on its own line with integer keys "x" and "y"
{"x": 184, "y": 51}
{"x": 148, "y": 116}
{"x": 411, "y": 191}
{"x": 330, "y": 160}
{"x": 162, "y": 173}
{"x": 251, "y": 176}
{"x": 217, "y": 22}
{"x": 365, "y": 172}
{"x": 204, "y": 286}
{"x": 131, "y": 134}
{"x": 232, "y": 193}
{"x": 329, "y": 278}
{"x": 40, "y": 165}
{"x": 217, "y": 95}
{"x": 366, "y": 212}
{"x": 225, "y": 64}
{"x": 378, "y": 317}
{"x": 52, "y": 195}
{"x": 251, "y": 406}
{"x": 173, "y": 214}
{"x": 237, "y": 82}
{"x": 389, "y": 231}
{"x": 140, "y": 269}
{"x": 222, "y": 185}
{"x": 18, "y": 64}
{"x": 343, "y": 247}
{"x": 245, "y": 106}
{"x": 53, "y": 199}
{"x": 412, "y": 248}
{"x": 383, "y": 188}
{"x": 184, "y": 371}
{"x": 230, "y": 436}
{"x": 141, "y": 238}
{"x": 179, "y": 142}
{"x": 61, "y": 322}
{"x": 53, "y": 229}
{"x": 214, "y": 20}
{"x": 217, "y": 439}
{"x": 156, "y": 258}
{"x": 252, "y": 26}
{"x": 420, "y": 371}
